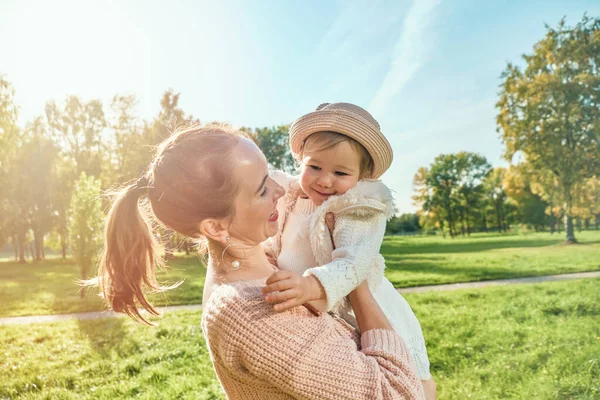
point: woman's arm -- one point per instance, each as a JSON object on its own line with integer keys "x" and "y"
{"x": 309, "y": 356}
{"x": 368, "y": 313}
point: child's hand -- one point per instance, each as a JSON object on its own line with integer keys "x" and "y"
{"x": 288, "y": 289}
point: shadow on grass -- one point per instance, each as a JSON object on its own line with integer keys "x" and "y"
{"x": 417, "y": 266}
{"x": 104, "y": 335}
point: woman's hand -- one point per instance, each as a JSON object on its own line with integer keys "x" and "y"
{"x": 288, "y": 289}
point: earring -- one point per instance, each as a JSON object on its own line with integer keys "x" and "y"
{"x": 235, "y": 264}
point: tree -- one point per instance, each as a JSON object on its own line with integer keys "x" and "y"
{"x": 405, "y": 223}
{"x": 85, "y": 223}
{"x": 449, "y": 191}
{"x": 473, "y": 169}
{"x": 587, "y": 202}
{"x": 79, "y": 131}
{"x": 9, "y": 135}
{"x": 129, "y": 154}
{"x": 531, "y": 208}
{"x": 35, "y": 161}
{"x": 274, "y": 144}
{"x": 549, "y": 111}
{"x": 430, "y": 211}
{"x": 496, "y": 196}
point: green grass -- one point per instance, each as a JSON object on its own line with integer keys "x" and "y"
{"x": 416, "y": 261}
{"x": 49, "y": 287}
{"x": 525, "y": 341}
{"x": 537, "y": 341}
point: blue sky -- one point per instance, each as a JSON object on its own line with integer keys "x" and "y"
{"x": 428, "y": 70}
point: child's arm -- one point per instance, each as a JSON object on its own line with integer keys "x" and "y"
{"x": 357, "y": 241}
{"x": 357, "y": 238}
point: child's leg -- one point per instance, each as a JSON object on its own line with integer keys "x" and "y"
{"x": 430, "y": 389}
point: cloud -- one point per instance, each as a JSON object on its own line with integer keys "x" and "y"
{"x": 355, "y": 47}
{"x": 409, "y": 53}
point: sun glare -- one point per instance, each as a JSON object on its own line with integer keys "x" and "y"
{"x": 71, "y": 47}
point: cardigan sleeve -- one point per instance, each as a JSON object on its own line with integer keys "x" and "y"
{"x": 307, "y": 355}
{"x": 357, "y": 237}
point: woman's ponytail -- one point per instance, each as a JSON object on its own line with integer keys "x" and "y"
{"x": 130, "y": 256}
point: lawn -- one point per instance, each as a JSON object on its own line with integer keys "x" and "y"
{"x": 416, "y": 261}
{"x": 537, "y": 341}
{"x": 49, "y": 287}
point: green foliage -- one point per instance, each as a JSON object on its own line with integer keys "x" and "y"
{"x": 85, "y": 223}
{"x": 405, "y": 223}
{"x": 9, "y": 134}
{"x": 450, "y": 191}
{"x": 274, "y": 144}
{"x": 77, "y": 128}
{"x": 531, "y": 207}
{"x": 549, "y": 111}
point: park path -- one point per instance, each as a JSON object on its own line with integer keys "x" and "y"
{"x": 418, "y": 289}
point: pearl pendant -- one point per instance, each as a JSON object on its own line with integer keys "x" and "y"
{"x": 235, "y": 264}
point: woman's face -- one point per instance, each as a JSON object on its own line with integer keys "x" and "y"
{"x": 255, "y": 206}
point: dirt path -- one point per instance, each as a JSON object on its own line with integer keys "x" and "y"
{"x": 418, "y": 289}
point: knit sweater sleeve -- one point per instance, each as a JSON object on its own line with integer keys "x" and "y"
{"x": 357, "y": 238}
{"x": 303, "y": 354}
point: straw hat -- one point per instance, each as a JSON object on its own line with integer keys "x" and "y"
{"x": 350, "y": 120}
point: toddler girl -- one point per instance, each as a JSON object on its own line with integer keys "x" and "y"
{"x": 342, "y": 153}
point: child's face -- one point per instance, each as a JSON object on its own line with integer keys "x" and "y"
{"x": 328, "y": 172}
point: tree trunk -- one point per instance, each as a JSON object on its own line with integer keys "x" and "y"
{"x": 586, "y": 224}
{"x": 37, "y": 246}
{"x": 484, "y": 223}
{"x": 21, "y": 245}
{"x": 31, "y": 250}
{"x": 597, "y": 221}
{"x": 63, "y": 244}
{"x": 498, "y": 218}
{"x": 450, "y": 228}
{"x": 16, "y": 247}
{"x": 570, "y": 238}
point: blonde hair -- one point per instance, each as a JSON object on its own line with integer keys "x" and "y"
{"x": 326, "y": 140}
{"x": 188, "y": 181}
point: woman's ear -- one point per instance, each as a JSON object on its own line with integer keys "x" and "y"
{"x": 214, "y": 229}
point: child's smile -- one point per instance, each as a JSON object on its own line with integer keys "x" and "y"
{"x": 329, "y": 172}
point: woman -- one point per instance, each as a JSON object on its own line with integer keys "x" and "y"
{"x": 212, "y": 183}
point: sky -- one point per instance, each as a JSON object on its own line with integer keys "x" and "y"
{"x": 428, "y": 70}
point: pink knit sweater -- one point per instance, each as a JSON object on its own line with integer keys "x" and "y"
{"x": 301, "y": 353}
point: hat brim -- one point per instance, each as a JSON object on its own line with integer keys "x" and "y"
{"x": 346, "y": 123}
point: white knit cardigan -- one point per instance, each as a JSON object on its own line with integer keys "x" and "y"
{"x": 360, "y": 219}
